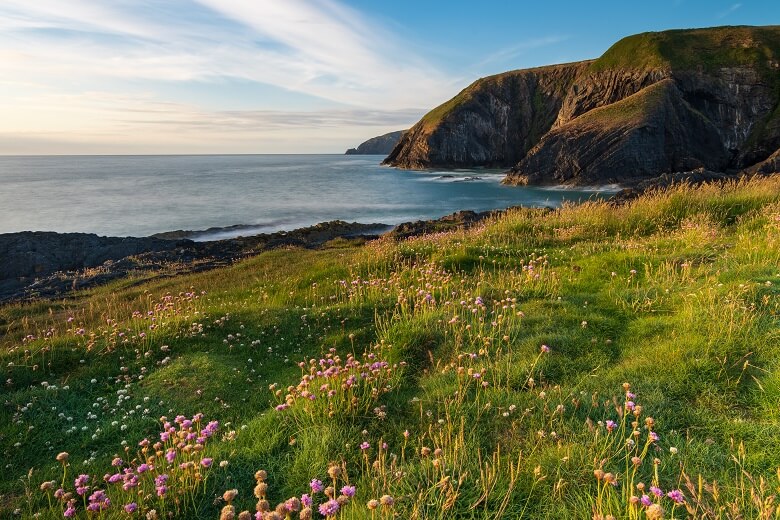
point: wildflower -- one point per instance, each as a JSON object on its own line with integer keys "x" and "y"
{"x": 386, "y": 500}
{"x": 117, "y": 462}
{"x": 261, "y": 475}
{"x": 62, "y": 457}
{"x": 646, "y": 500}
{"x": 131, "y": 507}
{"x": 372, "y": 504}
{"x": 70, "y": 512}
{"x": 306, "y": 500}
{"x": 348, "y": 491}
{"x": 364, "y": 446}
{"x": 656, "y": 491}
{"x": 229, "y": 495}
{"x": 292, "y": 504}
{"x": 206, "y": 462}
{"x": 316, "y": 486}
{"x": 261, "y": 489}
{"x": 676, "y": 495}
{"x": 611, "y": 425}
{"x": 228, "y": 513}
{"x": 329, "y": 508}
{"x": 305, "y": 513}
{"x": 673, "y": 450}
{"x": 334, "y": 472}
{"x": 654, "y": 512}
{"x": 545, "y": 349}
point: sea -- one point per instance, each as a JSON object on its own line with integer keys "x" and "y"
{"x": 143, "y": 195}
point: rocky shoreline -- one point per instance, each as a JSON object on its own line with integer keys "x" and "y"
{"x": 46, "y": 265}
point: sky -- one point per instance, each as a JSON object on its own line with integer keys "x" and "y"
{"x": 284, "y": 76}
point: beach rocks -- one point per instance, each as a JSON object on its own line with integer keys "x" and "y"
{"x": 47, "y": 264}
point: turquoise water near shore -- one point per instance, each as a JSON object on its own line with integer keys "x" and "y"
{"x": 142, "y": 195}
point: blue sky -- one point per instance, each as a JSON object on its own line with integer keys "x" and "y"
{"x": 284, "y": 76}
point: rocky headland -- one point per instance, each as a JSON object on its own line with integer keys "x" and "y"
{"x": 654, "y": 104}
{"x": 380, "y": 145}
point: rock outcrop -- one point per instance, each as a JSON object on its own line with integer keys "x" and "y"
{"x": 46, "y": 264}
{"x": 653, "y": 104}
{"x": 493, "y": 122}
{"x": 380, "y": 145}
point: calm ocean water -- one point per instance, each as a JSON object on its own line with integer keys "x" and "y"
{"x": 142, "y": 195}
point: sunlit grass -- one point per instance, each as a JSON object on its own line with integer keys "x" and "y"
{"x": 587, "y": 362}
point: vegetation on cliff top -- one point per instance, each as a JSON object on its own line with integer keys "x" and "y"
{"x": 582, "y": 362}
{"x": 695, "y": 49}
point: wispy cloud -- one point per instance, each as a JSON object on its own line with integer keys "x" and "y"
{"x": 507, "y": 54}
{"x": 320, "y": 48}
{"x": 115, "y": 123}
{"x": 730, "y": 10}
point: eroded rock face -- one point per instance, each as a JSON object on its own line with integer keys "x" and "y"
{"x": 652, "y": 132}
{"x": 493, "y": 122}
{"x": 720, "y": 109}
{"x": 597, "y": 89}
{"x": 769, "y": 165}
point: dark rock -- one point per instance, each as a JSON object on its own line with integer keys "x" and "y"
{"x": 649, "y": 133}
{"x": 493, "y": 122}
{"x": 768, "y": 166}
{"x": 46, "y": 265}
{"x": 667, "y": 180}
{"x": 381, "y": 145}
{"x": 654, "y": 103}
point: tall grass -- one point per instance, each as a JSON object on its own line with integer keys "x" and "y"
{"x": 591, "y": 361}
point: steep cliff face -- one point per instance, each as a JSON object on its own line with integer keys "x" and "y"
{"x": 493, "y": 122}
{"x": 380, "y": 145}
{"x": 652, "y": 132}
{"x": 697, "y": 98}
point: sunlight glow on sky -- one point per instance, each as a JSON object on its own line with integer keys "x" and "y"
{"x": 283, "y": 76}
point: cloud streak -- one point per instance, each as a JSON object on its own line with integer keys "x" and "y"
{"x": 730, "y": 10}
{"x": 319, "y": 48}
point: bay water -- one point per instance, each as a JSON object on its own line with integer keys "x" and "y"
{"x": 143, "y": 195}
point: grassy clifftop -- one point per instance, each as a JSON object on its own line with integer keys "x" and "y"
{"x": 587, "y": 360}
{"x": 694, "y": 49}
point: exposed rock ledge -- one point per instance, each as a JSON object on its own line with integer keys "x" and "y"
{"x": 48, "y": 265}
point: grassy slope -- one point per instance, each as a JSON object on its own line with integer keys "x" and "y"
{"x": 693, "y": 49}
{"x": 678, "y": 294}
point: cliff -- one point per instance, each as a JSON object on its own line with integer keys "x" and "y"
{"x": 381, "y": 145}
{"x": 492, "y": 122}
{"x": 654, "y": 103}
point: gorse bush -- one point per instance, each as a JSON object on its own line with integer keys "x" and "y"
{"x": 586, "y": 362}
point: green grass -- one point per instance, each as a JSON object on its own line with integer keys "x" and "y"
{"x": 693, "y": 49}
{"x": 677, "y": 294}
